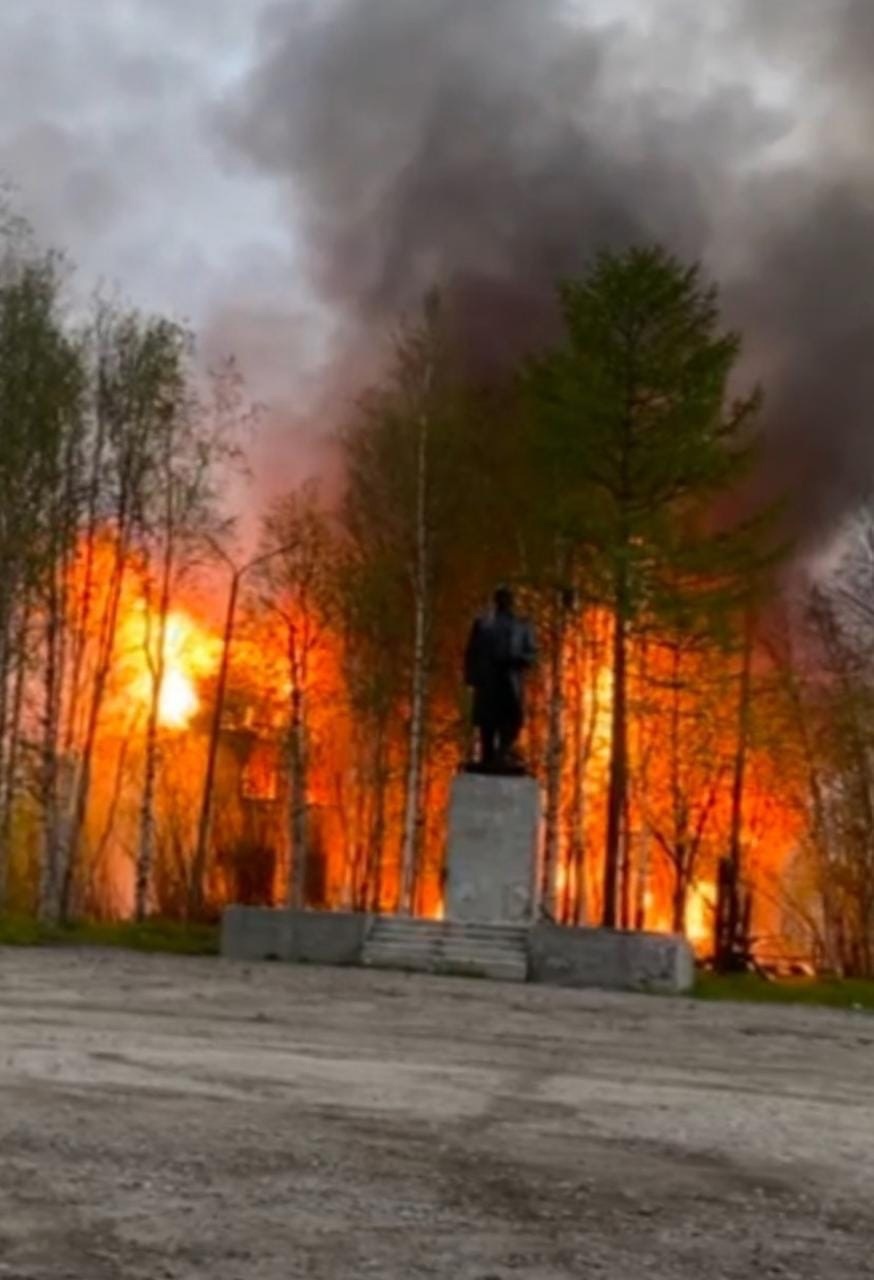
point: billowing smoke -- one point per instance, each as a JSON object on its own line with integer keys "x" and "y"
{"x": 490, "y": 146}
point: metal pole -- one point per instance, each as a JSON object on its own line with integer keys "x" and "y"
{"x": 195, "y": 895}
{"x": 203, "y": 826}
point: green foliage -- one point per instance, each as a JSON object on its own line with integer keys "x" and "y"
{"x": 152, "y": 935}
{"x": 837, "y": 994}
{"x": 633, "y": 440}
{"x": 633, "y": 433}
{"x": 425, "y": 457}
{"x": 41, "y": 399}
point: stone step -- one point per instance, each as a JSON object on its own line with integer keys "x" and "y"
{"x": 500, "y": 968}
{"x": 384, "y": 926}
{"x": 437, "y": 945}
{"x": 440, "y": 946}
{"x": 420, "y": 943}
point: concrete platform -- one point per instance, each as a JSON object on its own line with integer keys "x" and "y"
{"x": 492, "y": 848}
{"x": 610, "y": 960}
{"x": 307, "y": 937}
{"x": 550, "y": 954}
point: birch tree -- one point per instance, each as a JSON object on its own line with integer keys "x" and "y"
{"x": 41, "y": 383}
{"x": 559, "y": 610}
{"x": 193, "y": 447}
{"x": 404, "y": 503}
{"x": 372, "y": 628}
{"x": 297, "y": 553}
{"x": 133, "y": 373}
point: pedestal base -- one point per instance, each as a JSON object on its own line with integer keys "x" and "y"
{"x": 494, "y": 832}
{"x": 539, "y": 953}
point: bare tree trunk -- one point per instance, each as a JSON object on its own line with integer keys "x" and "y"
{"x": 298, "y": 802}
{"x": 422, "y": 839}
{"x": 618, "y": 784}
{"x": 348, "y": 827}
{"x": 678, "y": 803}
{"x": 85, "y": 604}
{"x": 198, "y": 864}
{"x": 419, "y": 679}
{"x": 681, "y": 889}
{"x": 82, "y": 782}
{"x": 627, "y": 867}
{"x": 575, "y": 910}
{"x": 376, "y": 853}
{"x": 354, "y": 798}
{"x": 51, "y": 871}
{"x": 642, "y": 879}
{"x": 554, "y": 761}
{"x": 361, "y": 887}
{"x": 146, "y": 847}
{"x": 6, "y": 666}
{"x": 12, "y": 736}
{"x": 115, "y": 797}
{"x": 5, "y": 734}
{"x": 588, "y": 678}
{"x": 728, "y": 945}
{"x": 157, "y": 662}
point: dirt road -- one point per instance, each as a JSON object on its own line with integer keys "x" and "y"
{"x": 193, "y": 1118}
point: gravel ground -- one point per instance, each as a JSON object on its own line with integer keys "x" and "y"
{"x": 194, "y": 1118}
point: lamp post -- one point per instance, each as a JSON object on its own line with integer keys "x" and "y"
{"x": 195, "y": 891}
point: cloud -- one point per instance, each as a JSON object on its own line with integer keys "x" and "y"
{"x": 292, "y": 176}
{"x": 492, "y": 146}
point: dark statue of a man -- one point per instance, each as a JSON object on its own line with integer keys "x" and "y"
{"x": 500, "y": 650}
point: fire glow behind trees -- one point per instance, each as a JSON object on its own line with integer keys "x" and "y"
{"x": 344, "y": 656}
{"x": 487, "y": 151}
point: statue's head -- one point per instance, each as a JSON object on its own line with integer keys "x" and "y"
{"x": 504, "y": 600}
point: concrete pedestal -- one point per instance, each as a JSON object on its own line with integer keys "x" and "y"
{"x": 308, "y": 937}
{"x": 494, "y": 833}
{"x": 491, "y": 928}
{"x": 610, "y": 959}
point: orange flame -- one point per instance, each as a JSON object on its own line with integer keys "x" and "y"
{"x": 190, "y": 654}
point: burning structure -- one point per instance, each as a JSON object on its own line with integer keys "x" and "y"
{"x": 488, "y": 150}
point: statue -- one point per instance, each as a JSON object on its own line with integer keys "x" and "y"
{"x": 500, "y": 650}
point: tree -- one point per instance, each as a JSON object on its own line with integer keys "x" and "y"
{"x": 371, "y": 629}
{"x": 295, "y": 583}
{"x": 134, "y": 372}
{"x": 559, "y": 611}
{"x": 690, "y": 706}
{"x": 633, "y": 422}
{"x": 192, "y": 447}
{"x": 170, "y": 492}
{"x": 408, "y": 497}
{"x": 824, "y": 656}
{"x": 41, "y": 391}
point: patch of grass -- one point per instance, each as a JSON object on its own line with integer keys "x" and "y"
{"x": 837, "y": 993}
{"x": 153, "y": 935}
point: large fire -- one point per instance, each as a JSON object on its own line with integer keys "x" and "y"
{"x": 191, "y": 654}
{"x": 679, "y": 802}
{"x": 178, "y": 701}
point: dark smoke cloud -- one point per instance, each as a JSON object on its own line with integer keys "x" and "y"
{"x": 492, "y": 145}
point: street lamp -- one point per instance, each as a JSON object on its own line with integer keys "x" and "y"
{"x": 195, "y": 893}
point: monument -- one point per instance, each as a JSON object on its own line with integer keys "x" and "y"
{"x": 495, "y": 810}
{"x": 491, "y": 925}
{"x": 500, "y": 651}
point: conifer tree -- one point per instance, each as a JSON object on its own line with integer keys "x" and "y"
{"x": 635, "y": 437}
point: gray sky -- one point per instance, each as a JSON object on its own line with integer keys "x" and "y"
{"x": 106, "y": 137}
{"x": 107, "y": 133}
{"x": 249, "y": 165}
